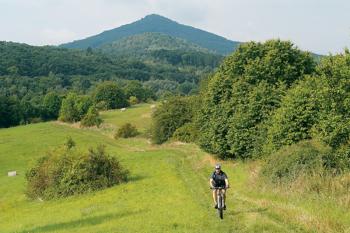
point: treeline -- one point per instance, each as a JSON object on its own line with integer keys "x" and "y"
{"x": 33, "y": 61}
{"x": 264, "y": 98}
{"x": 71, "y": 106}
{"x": 187, "y": 58}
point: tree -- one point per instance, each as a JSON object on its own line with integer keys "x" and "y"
{"x": 111, "y": 94}
{"x": 9, "y": 111}
{"x": 92, "y": 118}
{"x": 299, "y": 112}
{"x": 74, "y": 107}
{"x": 68, "y": 111}
{"x": 51, "y": 106}
{"x": 170, "y": 116}
{"x": 244, "y": 92}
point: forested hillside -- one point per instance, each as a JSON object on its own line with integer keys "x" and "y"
{"x": 147, "y": 42}
{"x": 158, "y": 24}
{"x": 30, "y": 74}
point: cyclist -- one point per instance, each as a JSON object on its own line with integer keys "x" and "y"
{"x": 218, "y": 180}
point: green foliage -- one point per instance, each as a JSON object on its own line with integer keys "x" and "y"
{"x": 249, "y": 123}
{"x": 30, "y": 109}
{"x": 160, "y": 87}
{"x": 92, "y": 118}
{"x": 51, "y": 105}
{"x": 169, "y": 116}
{"x": 74, "y": 107}
{"x": 273, "y": 61}
{"x": 149, "y": 42}
{"x": 111, "y": 94}
{"x": 333, "y": 127}
{"x": 70, "y": 143}
{"x": 25, "y": 60}
{"x": 133, "y": 100}
{"x": 186, "y": 133}
{"x": 338, "y": 162}
{"x": 241, "y": 97}
{"x": 316, "y": 107}
{"x": 187, "y": 57}
{"x": 291, "y": 162}
{"x": 66, "y": 172}
{"x": 9, "y": 111}
{"x": 136, "y": 89}
{"x": 126, "y": 131}
{"x": 298, "y": 113}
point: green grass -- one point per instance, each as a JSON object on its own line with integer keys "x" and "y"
{"x": 168, "y": 191}
{"x": 139, "y": 115}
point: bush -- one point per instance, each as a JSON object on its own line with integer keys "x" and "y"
{"x": 291, "y": 162}
{"x": 126, "y": 131}
{"x": 186, "y": 133}
{"x": 169, "y": 116}
{"x": 65, "y": 172}
{"x": 74, "y": 107}
{"x": 133, "y": 100}
{"x": 101, "y": 106}
{"x": 92, "y": 118}
{"x": 51, "y": 106}
{"x": 110, "y": 93}
{"x": 338, "y": 161}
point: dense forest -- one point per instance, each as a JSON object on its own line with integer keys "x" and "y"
{"x": 29, "y": 74}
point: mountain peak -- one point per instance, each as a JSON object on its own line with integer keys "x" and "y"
{"x": 152, "y": 18}
{"x": 155, "y": 16}
{"x": 158, "y": 24}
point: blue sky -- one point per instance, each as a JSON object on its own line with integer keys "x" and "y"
{"x": 320, "y": 26}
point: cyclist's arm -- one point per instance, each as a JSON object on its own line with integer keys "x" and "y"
{"x": 211, "y": 182}
{"x": 226, "y": 183}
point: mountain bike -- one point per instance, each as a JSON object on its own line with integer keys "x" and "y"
{"x": 220, "y": 200}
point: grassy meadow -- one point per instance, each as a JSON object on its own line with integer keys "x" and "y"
{"x": 167, "y": 192}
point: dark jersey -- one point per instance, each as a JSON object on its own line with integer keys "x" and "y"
{"x": 219, "y": 179}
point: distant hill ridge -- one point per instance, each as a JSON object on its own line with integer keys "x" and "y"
{"x": 158, "y": 24}
{"x": 148, "y": 42}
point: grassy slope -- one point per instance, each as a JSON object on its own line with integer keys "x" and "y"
{"x": 168, "y": 191}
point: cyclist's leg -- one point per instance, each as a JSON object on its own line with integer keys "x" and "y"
{"x": 215, "y": 196}
{"x": 224, "y": 194}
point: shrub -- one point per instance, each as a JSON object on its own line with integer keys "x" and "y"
{"x": 70, "y": 143}
{"x": 133, "y": 100}
{"x": 101, "y": 106}
{"x": 170, "y": 116}
{"x": 74, "y": 107}
{"x": 186, "y": 133}
{"x": 92, "y": 118}
{"x": 65, "y": 172}
{"x": 51, "y": 106}
{"x": 291, "y": 162}
{"x": 126, "y": 131}
{"x": 339, "y": 160}
{"x": 111, "y": 94}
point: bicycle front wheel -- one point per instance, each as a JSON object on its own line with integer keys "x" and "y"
{"x": 220, "y": 207}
